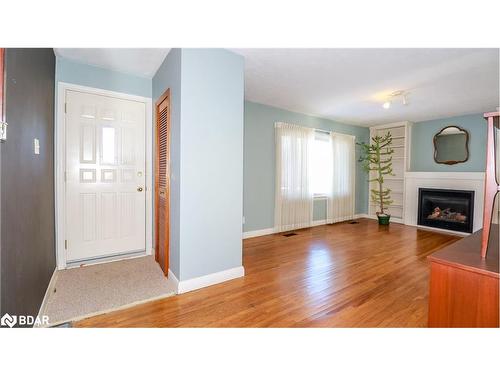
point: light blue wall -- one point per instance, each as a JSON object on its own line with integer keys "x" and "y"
{"x": 168, "y": 76}
{"x": 422, "y": 147}
{"x": 92, "y": 76}
{"x": 259, "y": 162}
{"x": 211, "y": 161}
{"x": 206, "y": 88}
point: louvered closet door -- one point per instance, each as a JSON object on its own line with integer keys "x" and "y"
{"x": 105, "y": 163}
{"x": 162, "y": 183}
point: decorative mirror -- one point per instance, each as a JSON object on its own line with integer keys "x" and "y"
{"x": 451, "y": 145}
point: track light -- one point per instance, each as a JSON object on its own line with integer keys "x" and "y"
{"x": 400, "y": 93}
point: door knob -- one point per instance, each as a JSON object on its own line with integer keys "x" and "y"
{"x": 139, "y": 189}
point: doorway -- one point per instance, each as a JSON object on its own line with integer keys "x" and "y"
{"x": 162, "y": 182}
{"x": 103, "y": 182}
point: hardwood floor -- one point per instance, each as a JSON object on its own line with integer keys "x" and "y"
{"x": 341, "y": 275}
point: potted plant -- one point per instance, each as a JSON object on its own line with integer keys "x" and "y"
{"x": 376, "y": 157}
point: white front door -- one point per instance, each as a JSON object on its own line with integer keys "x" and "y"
{"x": 105, "y": 176}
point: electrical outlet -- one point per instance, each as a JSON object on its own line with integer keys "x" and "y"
{"x": 3, "y": 131}
{"x": 36, "y": 146}
{"x": 243, "y": 219}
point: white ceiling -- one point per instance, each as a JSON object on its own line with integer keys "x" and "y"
{"x": 142, "y": 62}
{"x": 347, "y": 85}
{"x": 350, "y": 85}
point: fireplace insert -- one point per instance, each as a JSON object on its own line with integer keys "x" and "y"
{"x": 446, "y": 209}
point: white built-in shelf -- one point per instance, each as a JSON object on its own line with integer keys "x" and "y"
{"x": 401, "y": 132}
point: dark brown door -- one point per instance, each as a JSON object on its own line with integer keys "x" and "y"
{"x": 162, "y": 180}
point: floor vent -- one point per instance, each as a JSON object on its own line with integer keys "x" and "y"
{"x": 289, "y": 234}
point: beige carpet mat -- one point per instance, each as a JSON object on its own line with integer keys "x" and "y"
{"x": 95, "y": 289}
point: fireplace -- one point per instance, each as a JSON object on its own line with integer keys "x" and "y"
{"x": 446, "y": 209}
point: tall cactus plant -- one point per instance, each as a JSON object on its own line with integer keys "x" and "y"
{"x": 376, "y": 157}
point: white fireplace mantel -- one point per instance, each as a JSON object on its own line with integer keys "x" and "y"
{"x": 443, "y": 180}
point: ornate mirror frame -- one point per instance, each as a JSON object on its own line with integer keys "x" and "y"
{"x": 451, "y": 162}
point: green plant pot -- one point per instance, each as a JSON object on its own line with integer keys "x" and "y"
{"x": 384, "y": 219}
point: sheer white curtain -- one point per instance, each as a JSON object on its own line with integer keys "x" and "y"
{"x": 294, "y": 198}
{"x": 341, "y": 198}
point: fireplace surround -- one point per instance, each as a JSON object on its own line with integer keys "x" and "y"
{"x": 446, "y": 209}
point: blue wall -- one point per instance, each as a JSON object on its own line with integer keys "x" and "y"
{"x": 168, "y": 76}
{"x": 259, "y": 162}
{"x": 92, "y": 76}
{"x": 206, "y": 88}
{"x": 211, "y": 161}
{"x": 206, "y": 96}
{"x": 422, "y": 147}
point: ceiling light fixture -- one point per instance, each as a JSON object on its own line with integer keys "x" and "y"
{"x": 394, "y": 95}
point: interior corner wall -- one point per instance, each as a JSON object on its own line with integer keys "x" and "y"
{"x": 92, "y": 76}
{"x": 259, "y": 162}
{"x": 211, "y": 161}
{"x": 168, "y": 76}
{"x": 27, "y": 190}
{"x": 422, "y": 146}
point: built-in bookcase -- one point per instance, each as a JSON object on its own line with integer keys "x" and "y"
{"x": 401, "y": 132}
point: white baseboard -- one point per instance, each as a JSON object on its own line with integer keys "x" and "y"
{"x": 48, "y": 292}
{"x": 211, "y": 279}
{"x": 393, "y": 219}
{"x": 362, "y": 216}
{"x": 258, "y": 233}
{"x": 174, "y": 279}
{"x": 267, "y": 231}
{"x": 318, "y": 222}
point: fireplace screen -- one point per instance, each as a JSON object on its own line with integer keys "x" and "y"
{"x": 446, "y": 209}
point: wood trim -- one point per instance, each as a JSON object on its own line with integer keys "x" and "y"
{"x": 491, "y": 186}
{"x": 2, "y": 84}
{"x": 160, "y": 104}
{"x": 451, "y": 162}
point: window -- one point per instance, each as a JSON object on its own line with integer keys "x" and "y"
{"x": 321, "y": 164}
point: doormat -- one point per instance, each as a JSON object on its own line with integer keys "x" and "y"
{"x": 100, "y": 288}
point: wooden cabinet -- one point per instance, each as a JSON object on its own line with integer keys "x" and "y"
{"x": 464, "y": 284}
{"x": 464, "y": 287}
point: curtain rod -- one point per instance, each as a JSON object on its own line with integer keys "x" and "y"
{"x": 276, "y": 123}
{"x": 323, "y": 131}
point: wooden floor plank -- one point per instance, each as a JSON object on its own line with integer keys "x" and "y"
{"x": 341, "y": 275}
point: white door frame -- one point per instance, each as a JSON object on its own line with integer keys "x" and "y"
{"x": 60, "y": 162}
